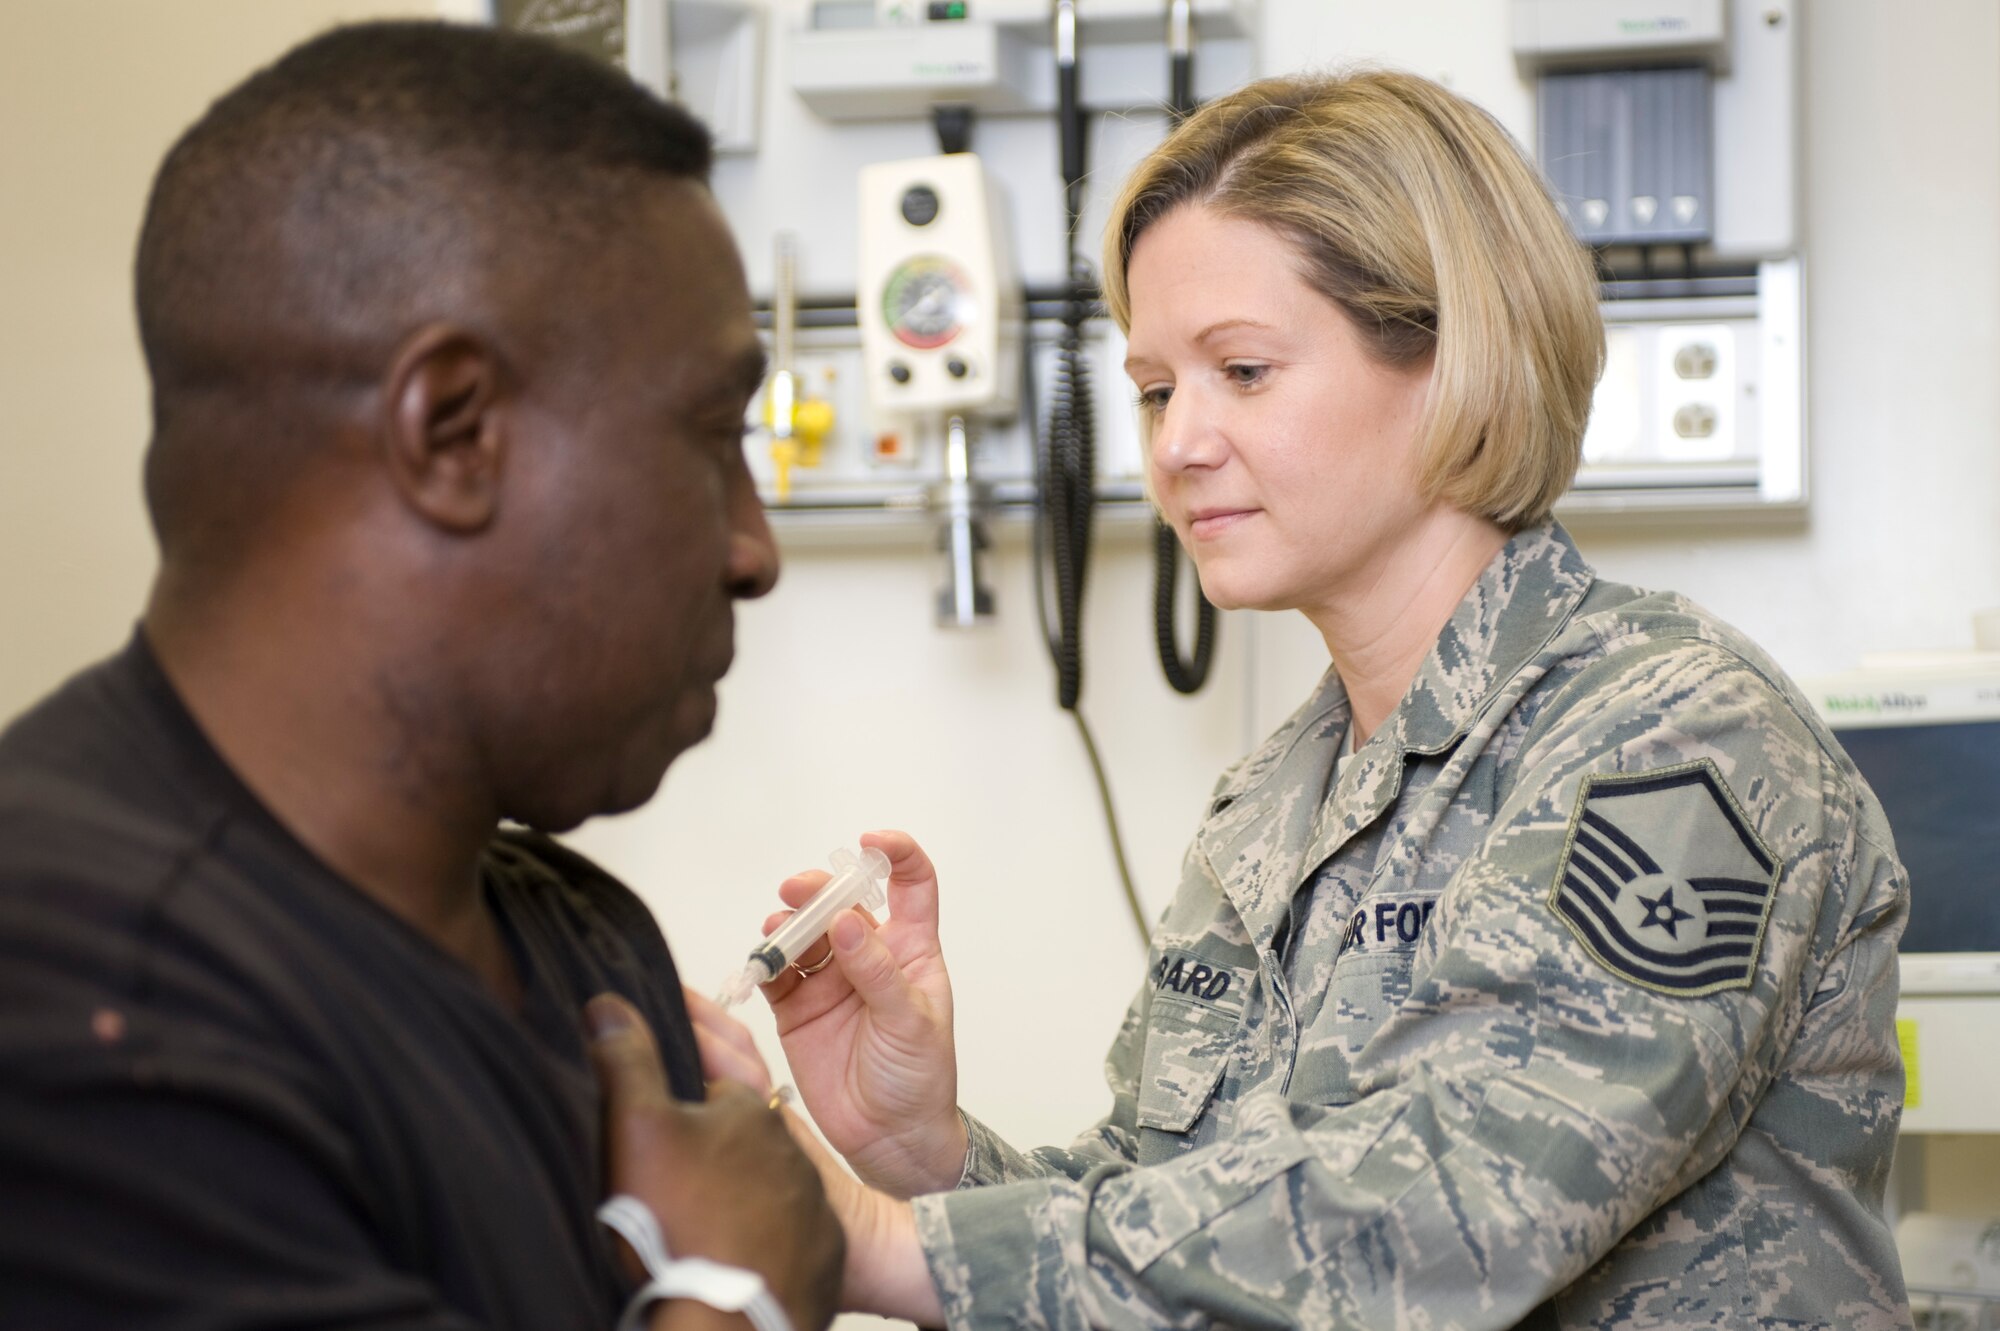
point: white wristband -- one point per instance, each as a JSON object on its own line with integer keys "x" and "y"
{"x": 729, "y": 1289}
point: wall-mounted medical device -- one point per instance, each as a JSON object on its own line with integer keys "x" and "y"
{"x": 940, "y": 312}
{"x": 1925, "y": 732}
{"x": 938, "y": 301}
{"x": 1556, "y": 32}
{"x": 889, "y": 59}
{"x": 1668, "y": 130}
{"x": 1668, "y": 121}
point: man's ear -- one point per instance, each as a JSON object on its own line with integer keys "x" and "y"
{"x": 443, "y": 436}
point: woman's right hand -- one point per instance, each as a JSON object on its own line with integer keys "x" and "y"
{"x": 869, "y": 1038}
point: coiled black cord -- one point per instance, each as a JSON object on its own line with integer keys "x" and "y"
{"x": 1066, "y": 457}
{"x": 1066, "y": 481}
{"x": 1186, "y": 675}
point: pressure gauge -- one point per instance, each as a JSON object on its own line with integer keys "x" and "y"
{"x": 927, "y": 301}
{"x": 939, "y": 303}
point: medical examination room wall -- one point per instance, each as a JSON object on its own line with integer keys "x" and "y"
{"x": 847, "y": 710}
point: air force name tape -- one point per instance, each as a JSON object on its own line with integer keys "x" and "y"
{"x": 1182, "y": 974}
{"x": 1664, "y": 882}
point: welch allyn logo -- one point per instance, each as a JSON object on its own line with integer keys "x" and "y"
{"x": 1664, "y": 23}
{"x": 1874, "y": 704}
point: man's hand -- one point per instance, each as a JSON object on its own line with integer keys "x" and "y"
{"x": 724, "y": 1178}
{"x": 886, "y": 1269}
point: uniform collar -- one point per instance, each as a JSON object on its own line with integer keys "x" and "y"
{"x": 1525, "y": 595}
{"x": 1282, "y": 813}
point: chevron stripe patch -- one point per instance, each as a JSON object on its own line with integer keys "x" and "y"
{"x": 1664, "y": 882}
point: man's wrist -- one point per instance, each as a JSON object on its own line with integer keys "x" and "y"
{"x": 693, "y": 1315}
{"x": 731, "y": 1289}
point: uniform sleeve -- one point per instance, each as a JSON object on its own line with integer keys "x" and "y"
{"x": 159, "y": 1167}
{"x": 1553, "y": 1076}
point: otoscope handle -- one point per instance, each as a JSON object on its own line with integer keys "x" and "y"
{"x": 1072, "y": 125}
{"x": 1180, "y": 57}
{"x": 1069, "y": 103}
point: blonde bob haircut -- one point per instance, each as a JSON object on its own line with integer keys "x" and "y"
{"x": 1414, "y": 213}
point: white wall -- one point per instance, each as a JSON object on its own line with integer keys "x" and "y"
{"x": 847, "y": 710}
{"x": 92, "y": 92}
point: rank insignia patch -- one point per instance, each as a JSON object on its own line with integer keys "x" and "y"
{"x": 1664, "y": 882}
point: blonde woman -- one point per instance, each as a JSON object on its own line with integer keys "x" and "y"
{"x": 1540, "y": 971}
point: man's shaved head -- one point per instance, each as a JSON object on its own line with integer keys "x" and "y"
{"x": 369, "y": 182}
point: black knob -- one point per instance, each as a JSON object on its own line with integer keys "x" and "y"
{"x": 956, "y": 368}
{"x": 899, "y": 372}
{"x": 920, "y": 205}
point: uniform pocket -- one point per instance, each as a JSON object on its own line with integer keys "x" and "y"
{"x": 1187, "y": 1049}
{"x": 1362, "y": 993}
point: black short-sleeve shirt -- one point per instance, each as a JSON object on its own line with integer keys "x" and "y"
{"x": 237, "y": 1092}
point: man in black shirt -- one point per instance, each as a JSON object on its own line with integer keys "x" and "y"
{"x": 450, "y": 352}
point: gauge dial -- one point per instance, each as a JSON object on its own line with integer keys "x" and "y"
{"x": 927, "y": 302}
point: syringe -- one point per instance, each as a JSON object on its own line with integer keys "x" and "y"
{"x": 857, "y": 881}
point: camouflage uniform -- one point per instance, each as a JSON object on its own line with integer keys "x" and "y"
{"x": 1568, "y": 1003}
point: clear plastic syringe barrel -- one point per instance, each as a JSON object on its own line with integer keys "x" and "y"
{"x": 857, "y": 881}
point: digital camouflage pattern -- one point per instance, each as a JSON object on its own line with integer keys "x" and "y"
{"x": 1417, "y": 1047}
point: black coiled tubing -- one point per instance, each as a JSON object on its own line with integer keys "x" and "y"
{"x": 1187, "y": 675}
{"x": 1066, "y": 476}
